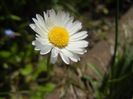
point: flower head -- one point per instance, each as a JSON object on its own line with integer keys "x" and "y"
{"x": 58, "y": 33}
{"x": 9, "y": 32}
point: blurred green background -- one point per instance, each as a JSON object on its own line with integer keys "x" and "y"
{"x": 23, "y": 70}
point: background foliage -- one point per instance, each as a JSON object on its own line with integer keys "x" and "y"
{"x": 23, "y": 71}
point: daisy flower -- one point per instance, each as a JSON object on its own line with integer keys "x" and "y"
{"x": 59, "y": 34}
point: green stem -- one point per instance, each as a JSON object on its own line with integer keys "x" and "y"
{"x": 49, "y": 65}
{"x": 116, "y": 36}
{"x": 115, "y": 47}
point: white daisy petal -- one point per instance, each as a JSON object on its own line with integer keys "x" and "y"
{"x": 59, "y": 21}
{"x": 55, "y": 52}
{"x": 62, "y": 18}
{"x": 78, "y": 44}
{"x": 52, "y": 15}
{"x": 69, "y": 25}
{"x": 53, "y": 59}
{"x": 33, "y": 42}
{"x": 65, "y": 18}
{"x": 32, "y": 26}
{"x": 37, "y": 45}
{"x": 46, "y": 49}
{"x": 71, "y": 55}
{"x": 51, "y": 19}
{"x": 40, "y": 19}
{"x": 77, "y": 50}
{"x": 45, "y": 16}
{"x": 65, "y": 58}
{"x": 81, "y": 52}
{"x": 43, "y": 41}
{"x": 54, "y": 55}
{"x": 35, "y": 28}
{"x": 75, "y": 27}
{"x": 79, "y": 36}
{"x": 40, "y": 25}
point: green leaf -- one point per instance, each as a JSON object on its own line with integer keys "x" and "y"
{"x": 14, "y": 17}
{"x": 42, "y": 90}
{"x": 48, "y": 87}
{"x": 5, "y": 54}
{"x": 42, "y": 65}
{"x": 2, "y": 98}
{"x": 27, "y": 70}
{"x": 95, "y": 70}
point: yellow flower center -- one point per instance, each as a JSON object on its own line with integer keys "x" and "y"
{"x": 58, "y": 36}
